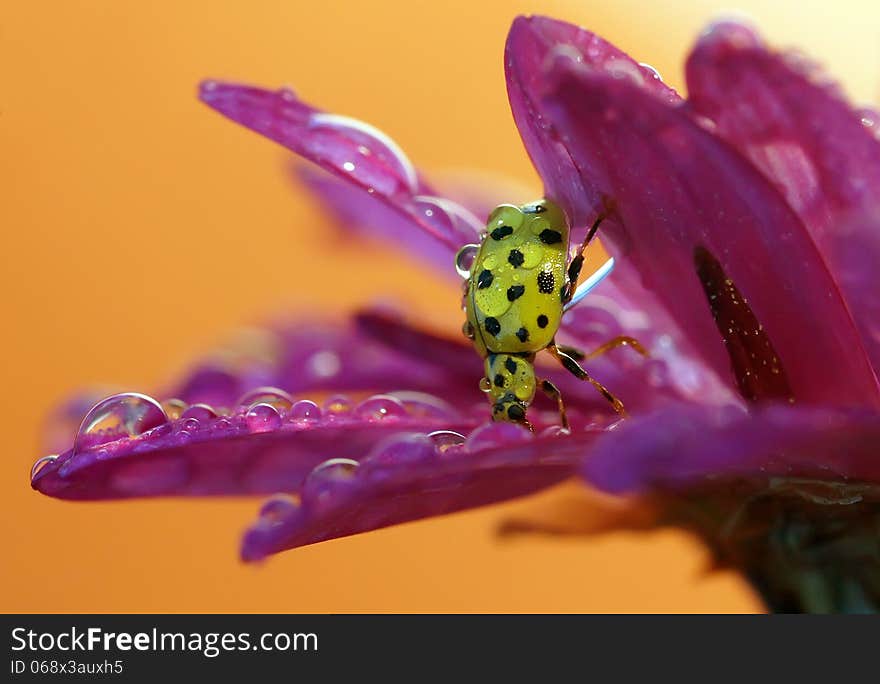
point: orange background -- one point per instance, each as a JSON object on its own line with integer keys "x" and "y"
{"x": 140, "y": 228}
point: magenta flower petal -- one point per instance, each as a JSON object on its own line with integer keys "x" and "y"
{"x": 348, "y": 148}
{"x": 673, "y": 372}
{"x": 797, "y": 128}
{"x": 206, "y": 443}
{"x": 265, "y": 446}
{"x": 680, "y": 194}
{"x": 410, "y": 477}
{"x": 687, "y": 446}
{"x": 301, "y": 359}
{"x": 317, "y": 356}
{"x": 532, "y": 44}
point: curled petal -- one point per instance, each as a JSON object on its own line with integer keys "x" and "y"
{"x": 681, "y": 194}
{"x": 795, "y": 126}
{"x": 267, "y": 444}
{"x": 348, "y": 148}
{"x": 411, "y": 477}
{"x": 686, "y": 446}
{"x": 532, "y": 44}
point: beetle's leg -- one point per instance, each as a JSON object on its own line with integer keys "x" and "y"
{"x": 553, "y": 392}
{"x": 575, "y": 369}
{"x": 575, "y": 265}
{"x": 619, "y": 341}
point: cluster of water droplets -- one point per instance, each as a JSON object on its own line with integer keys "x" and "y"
{"x": 442, "y": 458}
{"x": 407, "y": 456}
{"x": 120, "y": 418}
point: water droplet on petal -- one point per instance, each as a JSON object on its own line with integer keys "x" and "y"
{"x": 40, "y": 463}
{"x": 335, "y": 469}
{"x": 337, "y": 404}
{"x": 554, "y": 431}
{"x": 657, "y": 372}
{"x": 446, "y": 439}
{"x": 363, "y": 135}
{"x": 201, "y": 412}
{"x": 174, "y": 408}
{"x": 870, "y": 118}
{"x": 495, "y": 435}
{"x": 423, "y": 405}
{"x": 279, "y": 508}
{"x": 447, "y": 217}
{"x": 652, "y": 72}
{"x": 275, "y": 397}
{"x": 464, "y": 260}
{"x": 380, "y": 407}
{"x": 328, "y": 476}
{"x": 625, "y": 69}
{"x": 122, "y": 415}
{"x": 305, "y": 411}
{"x": 262, "y": 418}
{"x": 190, "y": 424}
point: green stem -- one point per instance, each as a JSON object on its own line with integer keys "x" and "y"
{"x": 806, "y": 546}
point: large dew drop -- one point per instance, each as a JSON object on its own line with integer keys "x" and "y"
{"x": 263, "y": 418}
{"x": 118, "y": 417}
{"x": 464, "y": 260}
{"x": 347, "y": 141}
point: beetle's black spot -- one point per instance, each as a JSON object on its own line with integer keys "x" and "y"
{"x": 499, "y": 380}
{"x": 485, "y": 279}
{"x": 522, "y": 334}
{"x": 542, "y": 321}
{"x": 516, "y": 412}
{"x": 515, "y": 258}
{"x": 510, "y": 365}
{"x": 550, "y": 237}
{"x": 546, "y": 282}
{"x": 493, "y": 327}
{"x": 497, "y": 408}
{"x": 501, "y": 232}
{"x": 514, "y": 292}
